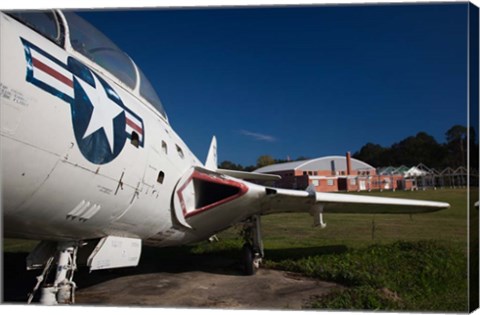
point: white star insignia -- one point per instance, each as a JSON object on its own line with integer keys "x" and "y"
{"x": 104, "y": 111}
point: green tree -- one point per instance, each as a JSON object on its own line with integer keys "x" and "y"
{"x": 228, "y": 165}
{"x": 372, "y": 154}
{"x": 265, "y": 160}
{"x": 422, "y": 148}
{"x": 457, "y": 146}
{"x": 411, "y": 151}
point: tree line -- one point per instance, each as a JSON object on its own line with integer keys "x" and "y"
{"x": 423, "y": 148}
{"x": 411, "y": 151}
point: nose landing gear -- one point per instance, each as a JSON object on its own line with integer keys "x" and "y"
{"x": 62, "y": 290}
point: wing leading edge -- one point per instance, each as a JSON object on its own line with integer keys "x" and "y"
{"x": 344, "y": 203}
{"x": 285, "y": 200}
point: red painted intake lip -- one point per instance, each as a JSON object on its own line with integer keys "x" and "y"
{"x": 242, "y": 190}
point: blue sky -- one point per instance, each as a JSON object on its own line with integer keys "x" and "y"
{"x": 300, "y": 81}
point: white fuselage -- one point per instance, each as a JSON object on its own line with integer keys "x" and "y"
{"x": 50, "y": 190}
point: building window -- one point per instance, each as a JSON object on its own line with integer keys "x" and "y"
{"x": 315, "y": 182}
{"x": 330, "y": 182}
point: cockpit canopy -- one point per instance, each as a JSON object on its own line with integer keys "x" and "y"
{"x": 90, "y": 42}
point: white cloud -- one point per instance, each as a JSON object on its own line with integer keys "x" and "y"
{"x": 258, "y": 136}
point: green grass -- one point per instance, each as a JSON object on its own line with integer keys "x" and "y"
{"x": 414, "y": 276}
{"x": 11, "y": 245}
{"x": 355, "y": 230}
{"x": 387, "y": 262}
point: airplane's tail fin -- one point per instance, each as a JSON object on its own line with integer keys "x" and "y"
{"x": 211, "y": 163}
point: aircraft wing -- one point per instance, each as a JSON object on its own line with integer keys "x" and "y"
{"x": 285, "y": 200}
{"x": 248, "y": 175}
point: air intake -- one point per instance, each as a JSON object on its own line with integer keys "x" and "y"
{"x": 201, "y": 190}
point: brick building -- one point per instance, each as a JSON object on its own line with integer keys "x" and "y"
{"x": 333, "y": 173}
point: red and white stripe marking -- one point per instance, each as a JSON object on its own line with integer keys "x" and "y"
{"x": 54, "y": 75}
{"x": 50, "y": 73}
{"x": 133, "y": 124}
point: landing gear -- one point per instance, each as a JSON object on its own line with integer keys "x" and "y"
{"x": 248, "y": 258}
{"x": 62, "y": 290}
{"x": 252, "y": 250}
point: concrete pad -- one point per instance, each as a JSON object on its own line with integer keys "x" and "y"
{"x": 268, "y": 289}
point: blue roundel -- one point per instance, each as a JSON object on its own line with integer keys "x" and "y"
{"x": 98, "y": 116}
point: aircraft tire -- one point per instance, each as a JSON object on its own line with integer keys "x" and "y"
{"x": 247, "y": 260}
